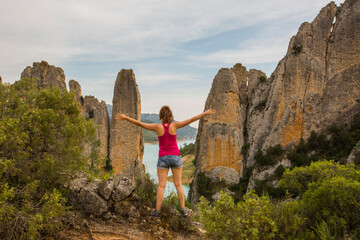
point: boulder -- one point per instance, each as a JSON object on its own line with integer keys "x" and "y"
{"x": 106, "y": 189}
{"x": 126, "y": 140}
{"x": 228, "y": 175}
{"x": 45, "y": 74}
{"x": 84, "y": 196}
{"x": 122, "y": 189}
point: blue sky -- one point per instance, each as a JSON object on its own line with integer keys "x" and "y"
{"x": 175, "y": 47}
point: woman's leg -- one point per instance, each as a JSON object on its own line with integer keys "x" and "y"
{"x": 162, "y": 176}
{"x": 177, "y": 172}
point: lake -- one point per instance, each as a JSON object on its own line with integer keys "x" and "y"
{"x": 150, "y": 158}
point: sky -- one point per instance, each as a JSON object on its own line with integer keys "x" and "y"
{"x": 175, "y": 47}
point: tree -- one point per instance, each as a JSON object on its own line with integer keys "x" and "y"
{"x": 42, "y": 135}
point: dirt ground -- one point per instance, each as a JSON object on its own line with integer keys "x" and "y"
{"x": 143, "y": 228}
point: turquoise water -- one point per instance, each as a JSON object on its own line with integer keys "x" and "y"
{"x": 150, "y": 160}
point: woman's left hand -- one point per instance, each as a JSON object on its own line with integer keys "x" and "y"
{"x": 120, "y": 116}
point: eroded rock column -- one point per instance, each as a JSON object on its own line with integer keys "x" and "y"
{"x": 126, "y": 140}
{"x": 96, "y": 110}
{"x": 220, "y": 136}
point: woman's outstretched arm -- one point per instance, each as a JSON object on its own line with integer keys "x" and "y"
{"x": 151, "y": 127}
{"x": 193, "y": 119}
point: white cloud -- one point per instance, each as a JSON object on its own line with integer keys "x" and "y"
{"x": 59, "y": 30}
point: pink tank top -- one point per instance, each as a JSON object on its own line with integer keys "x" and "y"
{"x": 167, "y": 143}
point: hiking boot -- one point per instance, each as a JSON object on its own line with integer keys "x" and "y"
{"x": 156, "y": 214}
{"x": 185, "y": 211}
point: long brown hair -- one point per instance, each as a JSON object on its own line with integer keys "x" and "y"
{"x": 166, "y": 115}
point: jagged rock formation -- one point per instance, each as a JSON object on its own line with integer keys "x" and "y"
{"x": 46, "y": 75}
{"x": 220, "y": 136}
{"x": 97, "y": 197}
{"x": 93, "y": 109}
{"x": 314, "y": 86}
{"x": 126, "y": 140}
{"x": 75, "y": 87}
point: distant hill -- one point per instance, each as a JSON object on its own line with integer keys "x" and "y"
{"x": 187, "y": 132}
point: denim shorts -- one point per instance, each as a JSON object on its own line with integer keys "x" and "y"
{"x": 169, "y": 161}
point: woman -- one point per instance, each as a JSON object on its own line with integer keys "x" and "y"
{"x": 169, "y": 154}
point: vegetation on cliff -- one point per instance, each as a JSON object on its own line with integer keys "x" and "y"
{"x": 42, "y": 135}
{"x": 327, "y": 208}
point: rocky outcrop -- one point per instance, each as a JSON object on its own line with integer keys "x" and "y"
{"x": 220, "y": 136}
{"x": 126, "y": 140}
{"x": 93, "y": 109}
{"x": 75, "y": 87}
{"x": 45, "y": 74}
{"x": 97, "y": 197}
{"x": 314, "y": 86}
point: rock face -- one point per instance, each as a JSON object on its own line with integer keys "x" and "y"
{"x": 220, "y": 136}
{"x": 75, "y": 87}
{"x": 126, "y": 140}
{"x": 315, "y": 85}
{"x": 93, "y": 109}
{"x": 46, "y": 75}
{"x": 97, "y": 197}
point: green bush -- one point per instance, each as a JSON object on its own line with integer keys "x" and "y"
{"x": 290, "y": 221}
{"x": 146, "y": 189}
{"x": 337, "y": 145}
{"x": 297, "y": 49}
{"x": 187, "y": 149}
{"x": 279, "y": 171}
{"x": 248, "y": 219}
{"x": 245, "y": 149}
{"x": 296, "y": 181}
{"x": 204, "y": 185}
{"x": 262, "y": 79}
{"x": 240, "y": 188}
{"x": 272, "y": 155}
{"x": 42, "y": 136}
{"x": 336, "y": 202}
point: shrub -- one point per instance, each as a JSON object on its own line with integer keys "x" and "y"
{"x": 262, "y": 79}
{"x": 290, "y": 220}
{"x": 297, "y": 180}
{"x": 187, "y": 149}
{"x": 280, "y": 170}
{"x": 272, "y": 155}
{"x": 204, "y": 185}
{"x": 240, "y": 188}
{"x": 297, "y": 48}
{"x": 248, "y": 219}
{"x": 146, "y": 189}
{"x": 245, "y": 149}
{"x": 336, "y": 202}
{"x": 337, "y": 146}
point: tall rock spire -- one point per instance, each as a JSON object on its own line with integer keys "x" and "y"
{"x": 126, "y": 140}
{"x": 75, "y": 87}
{"x": 92, "y": 108}
{"x": 220, "y": 136}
